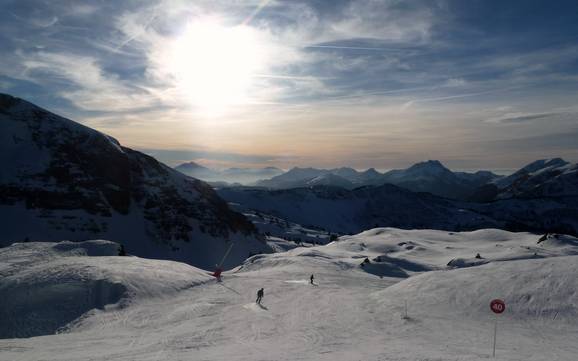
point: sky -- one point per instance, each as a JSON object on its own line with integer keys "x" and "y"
{"x": 477, "y": 84}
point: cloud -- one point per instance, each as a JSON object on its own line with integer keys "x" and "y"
{"x": 83, "y": 81}
{"x": 546, "y": 144}
{"x": 340, "y": 78}
{"x": 512, "y": 118}
{"x": 455, "y": 82}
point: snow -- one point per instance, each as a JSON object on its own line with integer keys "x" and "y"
{"x": 45, "y": 286}
{"x": 545, "y": 177}
{"x": 171, "y": 311}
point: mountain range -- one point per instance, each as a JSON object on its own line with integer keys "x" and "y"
{"x": 542, "y": 178}
{"x": 430, "y": 176}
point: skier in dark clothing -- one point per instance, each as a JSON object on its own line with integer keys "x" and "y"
{"x": 121, "y": 251}
{"x": 311, "y": 278}
{"x": 259, "y": 296}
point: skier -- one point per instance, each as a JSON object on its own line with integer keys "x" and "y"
{"x": 259, "y": 296}
{"x": 121, "y": 251}
{"x": 311, "y": 278}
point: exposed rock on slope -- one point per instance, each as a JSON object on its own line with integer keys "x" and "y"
{"x": 62, "y": 180}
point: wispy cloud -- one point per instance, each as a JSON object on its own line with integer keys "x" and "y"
{"x": 520, "y": 117}
{"x": 342, "y": 78}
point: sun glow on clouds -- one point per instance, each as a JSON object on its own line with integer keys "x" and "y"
{"x": 214, "y": 65}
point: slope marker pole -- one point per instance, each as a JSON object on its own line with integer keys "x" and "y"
{"x": 226, "y": 254}
{"x": 497, "y": 306}
{"x": 495, "y": 332}
{"x": 405, "y": 313}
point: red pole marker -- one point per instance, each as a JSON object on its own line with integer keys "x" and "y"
{"x": 217, "y": 273}
{"x": 497, "y": 306}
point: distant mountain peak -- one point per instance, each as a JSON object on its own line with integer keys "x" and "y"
{"x": 190, "y": 165}
{"x": 430, "y": 164}
{"x": 429, "y": 167}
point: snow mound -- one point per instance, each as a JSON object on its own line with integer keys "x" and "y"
{"x": 439, "y": 249}
{"x": 543, "y": 289}
{"x": 398, "y": 253}
{"x": 46, "y": 286}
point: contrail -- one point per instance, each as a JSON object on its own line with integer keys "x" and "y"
{"x": 288, "y": 77}
{"x": 392, "y": 91}
{"x": 256, "y": 11}
{"x": 351, "y": 48}
{"x": 131, "y": 38}
{"x": 449, "y": 97}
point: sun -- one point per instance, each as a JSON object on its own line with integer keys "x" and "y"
{"x": 214, "y": 65}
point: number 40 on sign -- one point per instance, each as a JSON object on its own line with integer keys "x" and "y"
{"x": 498, "y": 306}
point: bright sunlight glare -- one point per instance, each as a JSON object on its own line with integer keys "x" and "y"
{"x": 214, "y": 64}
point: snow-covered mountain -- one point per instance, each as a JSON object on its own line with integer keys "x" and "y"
{"x": 350, "y": 211}
{"x": 294, "y": 178}
{"x": 542, "y": 178}
{"x": 528, "y": 170}
{"x": 229, "y": 175}
{"x": 421, "y": 295}
{"x": 330, "y": 179}
{"x": 62, "y": 180}
{"x": 339, "y": 177}
{"x": 432, "y": 177}
{"x": 367, "y": 177}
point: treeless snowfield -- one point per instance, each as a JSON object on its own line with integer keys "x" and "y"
{"x": 165, "y": 310}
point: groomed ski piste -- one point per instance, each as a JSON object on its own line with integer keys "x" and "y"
{"x": 79, "y": 301}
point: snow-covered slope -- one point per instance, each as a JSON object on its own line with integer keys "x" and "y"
{"x": 44, "y": 286}
{"x": 293, "y": 178}
{"x": 352, "y": 312}
{"x": 535, "y": 290}
{"x": 536, "y": 166}
{"x": 329, "y": 180}
{"x": 542, "y": 178}
{"x": 62, "y": 180}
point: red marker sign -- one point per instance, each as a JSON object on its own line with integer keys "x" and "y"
{"x": 497, "y": 306}
{"x": 217, "y": 273}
